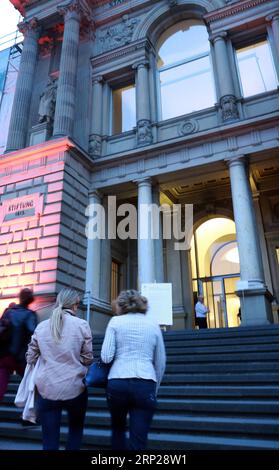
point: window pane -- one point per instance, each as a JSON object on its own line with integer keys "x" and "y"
{"x": 192, "y": 83}
{"x": 123, "y": 109}
{"x": 256, "y": 69}
{"x": 182, "y": 41}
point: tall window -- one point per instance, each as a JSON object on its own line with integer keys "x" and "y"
{"x": 115, "y": 279}
{"x": 123, "y": 109}
{"x": 256, "y": 69}
{"x": 184, "y": 67}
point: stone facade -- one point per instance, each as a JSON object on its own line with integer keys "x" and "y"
{"x": 110, "y": 44}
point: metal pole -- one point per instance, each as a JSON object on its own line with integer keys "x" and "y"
{"x": 88, "y": 306}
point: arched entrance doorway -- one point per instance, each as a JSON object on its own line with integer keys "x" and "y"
{"x": 215, "y": 270}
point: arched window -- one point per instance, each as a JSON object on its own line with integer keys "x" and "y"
{"x": 184, "y": 68}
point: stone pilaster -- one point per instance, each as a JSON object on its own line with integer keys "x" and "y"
{"x": 95, "y": 139}
{"x": 21, "y": 106}
{"x": 93, "y": 262}
{"x": 144, "y": 129}
{"x": 146, "y": 264}
{"x": 228, "y": 103}
{"x": 273, "y": 19}
{"x": 255, "y": 301}
{"x": 158, "y": 243}
{"x": 66, "y": 91}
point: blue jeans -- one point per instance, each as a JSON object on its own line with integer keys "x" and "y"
{"x": 136, "y": 397}
{"x": 50, "y": 412}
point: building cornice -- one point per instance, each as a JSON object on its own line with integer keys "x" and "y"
{"x": 233, "y": 9}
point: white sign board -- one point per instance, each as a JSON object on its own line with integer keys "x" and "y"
{"x": 159, "y": 298}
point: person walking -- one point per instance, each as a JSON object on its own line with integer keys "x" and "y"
{"x": 135, "y": 345}
{"x": 64, "y": 343}
{"x": 23, "y": 322}
{"x": 201, "y": 313}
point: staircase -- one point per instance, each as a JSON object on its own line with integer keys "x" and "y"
{"x": 220, "y": 392}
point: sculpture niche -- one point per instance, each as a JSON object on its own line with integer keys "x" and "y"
{"x": 47, "y": 102}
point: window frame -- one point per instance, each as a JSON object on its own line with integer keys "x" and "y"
{"x": 185, "y": 61}
{"x": 117, "y": 86}
{"x": 250, "y": 42}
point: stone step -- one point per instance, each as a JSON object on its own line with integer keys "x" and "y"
{"x": 157, "y": 441}
{"x": 164, "y": 422}
{"x": 228, "y": 405}
{"x": 226, "y": 368}
{"x": 196, "y": 390}
{"x": 223, "y": 357}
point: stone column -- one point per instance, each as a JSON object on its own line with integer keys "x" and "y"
{"x": 66, "y": 91}
{"x": 274, "y": 21}
{"x": 105, "y": 281}
{"x": 158, "y": 243}
{"x": 187, "y": 288}
{"x": 255, "y": 301}
{"x": 93, "y": 261}
{"x": 144, "y": 129}
{"x": 24, "y": 87}
{"x": 95, "y": 140}
{"x": 228, "y": 102}
{"x": 174, "y": 276}
{"x": 146, "y": 269}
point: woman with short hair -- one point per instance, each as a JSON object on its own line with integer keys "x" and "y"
{"x": 135, "y": 345}
{"x": 64, "y": 343}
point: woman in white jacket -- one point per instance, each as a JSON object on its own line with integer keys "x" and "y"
{"x": 135, "y": 345}
{"x": 64, "y": 344}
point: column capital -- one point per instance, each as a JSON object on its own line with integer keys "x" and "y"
{"x": 29, "y": 27}
{"x": 141, "y": 63}
{"x": 238, "y": 160}
{"x": 221, "y": 36}
{"x": 71, "y": 9}
{"x": 272, "y": 16}
{"x": 146, "y": 181}
{"x": 96, "y": 79}
{"x": 95, "y": 193}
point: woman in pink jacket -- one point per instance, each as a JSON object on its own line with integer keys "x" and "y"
{"x": 64, "y": 343}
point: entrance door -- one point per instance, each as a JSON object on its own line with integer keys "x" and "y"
{"x": 220, "y": 298}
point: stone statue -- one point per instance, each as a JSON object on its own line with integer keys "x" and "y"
{"x": 47, "y": 101}
{"x": 229, "y": 107}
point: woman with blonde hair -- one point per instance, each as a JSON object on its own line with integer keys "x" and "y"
{"x": 64, "y": 343}
{"x": 135, "y": 345}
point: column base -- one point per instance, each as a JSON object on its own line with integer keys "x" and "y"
{"x": 256, "y": 308}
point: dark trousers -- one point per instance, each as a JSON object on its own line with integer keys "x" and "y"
{"x": 201, "y": 322}
{"x": 8, "y": 365}
{"x": 50, "y": 412}
{"x": 136, "y": 398}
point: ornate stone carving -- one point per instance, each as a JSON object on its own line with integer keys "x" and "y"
{"x": 73, "y": 6}
{"x": 188, "y": 127}
{"x": 229, "y": 109}
{"x": 48, "y": 101}
{"x": 119, "y": 35}
{"x": 95, "y": 145}
{"x": 144, "y": 132}
{"x": 172, "y": 3}
{"x": 27, "y": 27}
{"x": 46, "y": 44}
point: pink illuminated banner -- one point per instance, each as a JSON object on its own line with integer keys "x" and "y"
{"x": 12, "y": 210}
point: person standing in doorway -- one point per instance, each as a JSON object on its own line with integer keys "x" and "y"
{"x": 64, "y": 343}
{"x": 201, "y": 313}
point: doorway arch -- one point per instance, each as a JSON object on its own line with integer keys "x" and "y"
{"x": 215, "y": 269}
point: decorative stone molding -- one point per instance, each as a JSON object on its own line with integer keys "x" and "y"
{"x": 144, "y": 132}
{"x": 231, "y": 10}
{"x": 140, "y": 63}
{"x": 188, "y": 126}
{"x": 228, "y": 105}
{"x": 73, "y": 6}
{"x": 272, "y": 16}
{"x": 97, "y": 79}
{"x": 118, "y": 35}
{"x": 95, "y": 145}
